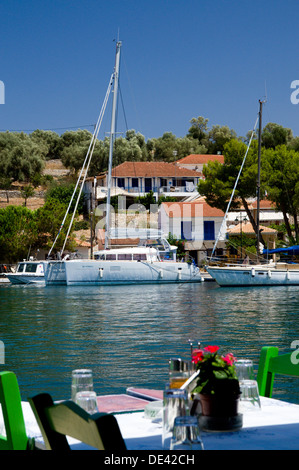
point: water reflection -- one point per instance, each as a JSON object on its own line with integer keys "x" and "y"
{"x": 126, "y": 334}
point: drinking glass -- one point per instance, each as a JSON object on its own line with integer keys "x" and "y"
{"x": 250, "y": 399}
{"x": 244, "y": 369}
{"x": 175, "y": 403}
{"x": 179, "y": 372}
{"x": 88, "y": 401}
{"x": 186, "y": 434}
{"x": 82, "y": 381}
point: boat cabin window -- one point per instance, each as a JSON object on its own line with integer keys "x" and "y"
{"x": 111, "y": 257}
{"x": 102, "y": 257}
{"x": 31, "y": 268}
{"x": 20, "y": 268}
{"x": 124, "y": 256}
{"x": 139, "y": 256}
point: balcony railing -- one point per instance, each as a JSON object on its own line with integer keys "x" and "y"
{"x": 160, "y": 189}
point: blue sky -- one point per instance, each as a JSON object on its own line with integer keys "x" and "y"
{"x": 179, "y": 60}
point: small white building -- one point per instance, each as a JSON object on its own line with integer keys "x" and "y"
{"x": 195, "y": 222}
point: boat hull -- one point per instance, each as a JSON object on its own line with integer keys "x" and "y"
{"x": 16, "y": 278}
{"x": 250, "y": 276}
{"x": 96, "y": 272}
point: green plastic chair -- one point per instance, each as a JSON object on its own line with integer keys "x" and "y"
{"x": 10, "y": 400}
{"x": 272, "y": 363}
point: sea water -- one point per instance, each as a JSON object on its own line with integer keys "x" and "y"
{"x": 126, "y": 334}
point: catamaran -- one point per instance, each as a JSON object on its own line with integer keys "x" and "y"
{"x": 130, "y": 265}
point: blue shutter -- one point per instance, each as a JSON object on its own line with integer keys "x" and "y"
{"x": 209, "y": 230}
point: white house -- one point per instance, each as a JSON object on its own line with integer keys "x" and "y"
{"x": 195, "y": 222}
{"x": 138, "y": 178}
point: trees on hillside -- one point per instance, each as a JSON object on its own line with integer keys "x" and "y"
{"x": 21, "y": 159}
{"x": 212, "y": 140}
{"x": 22, "y": 230}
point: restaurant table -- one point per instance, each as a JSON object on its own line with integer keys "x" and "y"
{"x": 274, "y": 426}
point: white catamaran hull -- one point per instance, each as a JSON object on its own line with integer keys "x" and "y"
{"x": 97, "y": 272}
{"x": 245, "y": 276}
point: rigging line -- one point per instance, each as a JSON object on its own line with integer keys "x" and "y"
{"x": 81, "y": 172}
{"x": 90, "y": 151}
{"x": 236, "y": 183}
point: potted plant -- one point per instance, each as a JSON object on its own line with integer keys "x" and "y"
{"x": 217, "y": 387}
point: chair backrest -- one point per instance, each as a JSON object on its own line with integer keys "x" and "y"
{"x": 272, "y": 363}
{"x": 15, "y": 437}
{"x": 57, "y": 421}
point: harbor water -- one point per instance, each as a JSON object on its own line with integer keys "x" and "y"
{"x": 126, "y": 334}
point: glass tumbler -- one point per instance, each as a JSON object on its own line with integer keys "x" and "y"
{"x": 250, "y": 399}
{"x": 175, "y": 403}
{"x": 87, "y": 401}
{"x": 244, "y": 369}
{"x": 82, "y": 381}
{"x": 186, "y": 434}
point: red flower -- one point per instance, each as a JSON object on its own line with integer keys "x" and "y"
{"x": 212, "y": 349}
{"x": 229, "y": 359}
{"x": 197, "y": 356}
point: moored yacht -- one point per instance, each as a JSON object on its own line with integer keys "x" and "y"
{"x": 271, "y": 274}
{"x": 136, "y": 265}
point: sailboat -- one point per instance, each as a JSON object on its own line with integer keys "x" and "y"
{"x": 130, "y": 265}
{"x": 264, "y": 274}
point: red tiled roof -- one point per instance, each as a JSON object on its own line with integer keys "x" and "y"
{"x": 150, "y": 169}
{"x": 265, "y": 204}
{"x": 247, "y": 228}
{"x": 191, "y": 209}
{"x": 200, "y": 159}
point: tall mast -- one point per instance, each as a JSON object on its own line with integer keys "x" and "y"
{"x": 259, "y": 179}
{"x": 112, "y": 135}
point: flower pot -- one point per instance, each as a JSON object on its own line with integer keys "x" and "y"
{"x": 217, "y": 413}
{"x": 215, "y": 405}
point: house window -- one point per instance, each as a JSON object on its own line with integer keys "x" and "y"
{"x": 186, "y": 230}
{"x": 178, "y": 182}
{"x": 147, "y": 184}
{"x": 135, "y": 183}
{"x": 209, "y": 230}
{"x": 121, "y": 182}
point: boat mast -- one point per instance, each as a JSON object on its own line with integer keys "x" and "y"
{"x": 259, "y": 180}
{"x": 112, "y": 134}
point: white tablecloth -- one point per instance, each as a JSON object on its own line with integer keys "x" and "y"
{"x": 274, "y": 426}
